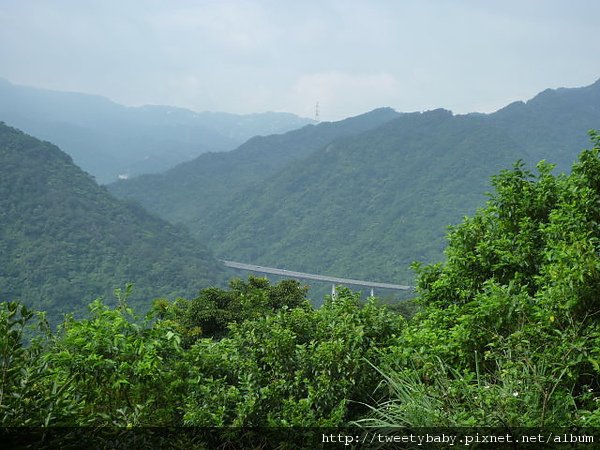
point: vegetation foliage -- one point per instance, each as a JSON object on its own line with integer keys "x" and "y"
{"x": 508, "y": 335}
{"x": 286, "y": 364}
{"x": 64, "y": 240}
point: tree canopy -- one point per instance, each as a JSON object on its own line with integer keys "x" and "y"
{"x": 64, "y": 240}
{"x": 510, "y": 330}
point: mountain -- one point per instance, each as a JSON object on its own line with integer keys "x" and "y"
{"x": 187, "y": 192}
{"x": 553, "y": 125}
{"x": 110, "y": 140}
{"x": 366, "y": 204}
{"x": 64, "y": 240}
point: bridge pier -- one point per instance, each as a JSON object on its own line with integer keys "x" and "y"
{"x": 372, "y": 292}
{"x": 333, "y": 293}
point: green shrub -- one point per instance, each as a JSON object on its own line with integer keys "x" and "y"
{"x": 298, "y": 367}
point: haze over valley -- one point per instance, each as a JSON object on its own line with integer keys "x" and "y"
{"x": 111, "y": 141}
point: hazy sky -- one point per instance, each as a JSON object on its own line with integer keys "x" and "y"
{"x": 285, "y": 55}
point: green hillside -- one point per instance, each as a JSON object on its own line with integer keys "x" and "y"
{"x": 367, "y": 206}
{"x": 64, "y": 240}
{"x": 187, "y": 192}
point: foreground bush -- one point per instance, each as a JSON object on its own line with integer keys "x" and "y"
{"x": 299, "y": 367}
{"x": 510, "y": 332}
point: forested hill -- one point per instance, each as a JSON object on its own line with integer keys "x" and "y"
{"x": 107, "y": 139}
{"x": 189, "y": 191}
{"x": 553, "y": 125}
{"x": 365, "y": 205}
{"x": 369, "y": 205}
{"x": 64, "y": 240}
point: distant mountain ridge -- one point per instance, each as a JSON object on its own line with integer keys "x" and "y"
{"x": 64, "y": 240}
{"x": 107, "y": 139}
{"x": 186, "y": 192}
{"x": 367, "y": 204}
{"x": 553, "y": 125}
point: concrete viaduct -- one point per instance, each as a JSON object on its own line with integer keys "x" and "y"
{"x": 310, "y": 276}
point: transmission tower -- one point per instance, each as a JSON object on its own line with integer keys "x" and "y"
{"x": 317, "y": 118}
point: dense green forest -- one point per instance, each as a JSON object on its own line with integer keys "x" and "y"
{"x": 366, "y": 204}
{"x": 64, "y": 240}
{"x": 107, "y": 139}
{"x": 507, "y": 335}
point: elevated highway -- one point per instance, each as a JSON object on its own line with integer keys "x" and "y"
{"x": 311, "y": 276}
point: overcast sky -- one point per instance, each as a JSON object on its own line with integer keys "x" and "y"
{"x": 285, "y": 55}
